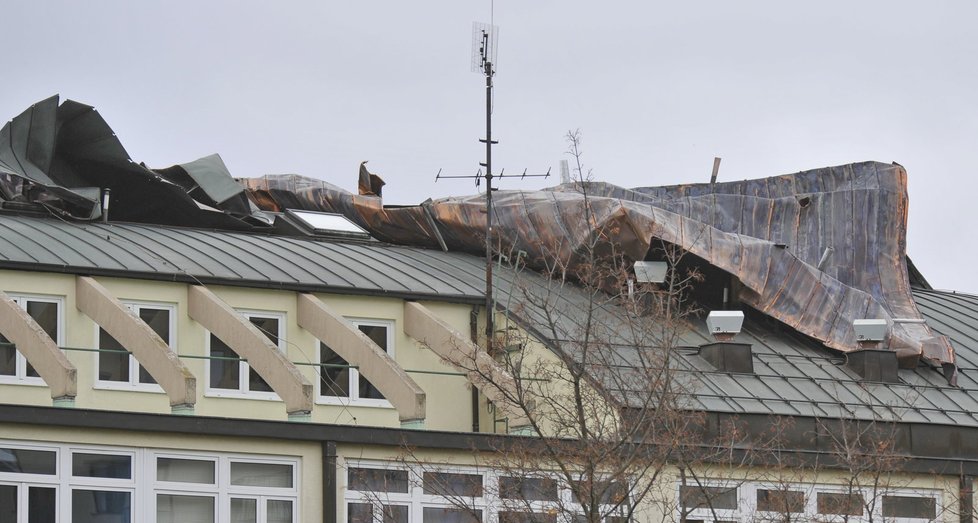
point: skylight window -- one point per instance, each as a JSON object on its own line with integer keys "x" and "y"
{"x": 328, "y": 224}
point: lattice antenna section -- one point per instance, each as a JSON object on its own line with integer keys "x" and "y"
{"x": 484, "y": 39}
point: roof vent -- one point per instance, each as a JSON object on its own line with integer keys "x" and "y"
{"x": 728, "y": 357}
{"x": 724, "y": 325}
{"x": 874, "y": 365}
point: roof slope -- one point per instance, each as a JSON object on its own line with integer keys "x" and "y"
{"x": 241, "y": 259}
{"x": 793, "y": 375}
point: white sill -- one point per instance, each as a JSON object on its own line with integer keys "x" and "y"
{"x": 347, "y": 402}
{"x": 31, "y": 381}
{"x": 237, "y": 394}
{"x": 128, "y": 387}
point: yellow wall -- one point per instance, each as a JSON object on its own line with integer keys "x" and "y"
{"x": 448, "y": 396}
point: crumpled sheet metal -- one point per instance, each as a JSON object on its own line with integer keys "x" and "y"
{"x": 68, "y": 151}
{"x": 769, "y": 233}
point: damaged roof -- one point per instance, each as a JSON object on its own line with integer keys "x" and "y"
{"x": 814, "y": 250}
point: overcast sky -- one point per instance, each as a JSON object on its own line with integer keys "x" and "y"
{"x": 657, "y": 89}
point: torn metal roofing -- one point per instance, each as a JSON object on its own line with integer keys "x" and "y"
{"x": 815, "y": 250}
{"x": 64, "y": 155}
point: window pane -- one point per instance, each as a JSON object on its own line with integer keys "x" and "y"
{"x": 844, "y": 504}
{"x": 8, "y": 504}
{"x": 97, "y": 506}
{"x": 224, "y": 373}
{"x": 606, "y": 493}
{"x": 543, "y": 489}
{"x": 8, "y": 357}
{"x": 449, "y": 484}
{"x": 244, "y": 510}
{"x": 378, "y": 334}
{"x": 256, "y": 383}
{"x": 101, "y": 465}
{"x": 28, "y": 461}
{"x": 112, "y": 366}
{"x": 185, "y": 470}
{"x": 450, "y": 515}
{"x": 158, "y": 320}
{"x": 783, "y": 501}
{"x": 909, "y": 507}
{"x": 261, "y": 474}
{"x": 46, "y": 315}
{"x": 41, "y": 504}
{"x": 269, "y": 327}
{"x": 145, "y": 376}
{"x": 278, "y": 511}
{"x": 363, "y": 513}
{"x": 335, "y": 381}
{"x": 184, "y": 509}
{"x": 377, "y": 480}
{"x": 694, "y": 497}
{"x": 527, "y": 517}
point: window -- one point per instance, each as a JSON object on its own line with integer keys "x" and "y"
{"x": 909, "y": 507}
{"x": 842, "y": 504}
{"x": 781, "y": 500}
{"x": 227, "y": 373}
{"x": 338, "y": 380}
{"x": 121, "y": 368}
{"x": 46, "y": 311}
{"x": 95, "y": 484}
{"x": 381, "y": 492}
{"x": 751, "y": 502}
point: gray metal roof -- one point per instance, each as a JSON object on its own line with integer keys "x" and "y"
{"x": 221, "y": 257}
{"x": 793, "y": 374}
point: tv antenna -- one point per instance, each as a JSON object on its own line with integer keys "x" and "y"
{"x": 484, "y": 44}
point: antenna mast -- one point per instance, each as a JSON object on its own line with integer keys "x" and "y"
{"x": 484, "y": 38}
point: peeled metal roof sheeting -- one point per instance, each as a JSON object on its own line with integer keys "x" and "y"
{"x": 769, "y": 233}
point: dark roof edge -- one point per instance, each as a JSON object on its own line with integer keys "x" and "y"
{"x": 915, "y": 276}
{"x": 809, "y": 442}
{"x": 238, "y": 282}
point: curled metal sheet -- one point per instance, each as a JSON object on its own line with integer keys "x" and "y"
{"x": 771, "y": 234}
{"x": 64, "y": 155}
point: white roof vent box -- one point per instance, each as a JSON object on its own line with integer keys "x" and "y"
{"x": 326, "y": 224}
{"x": 724, "y": 325}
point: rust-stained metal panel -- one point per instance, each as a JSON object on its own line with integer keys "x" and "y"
{"x": 769, "y": 233}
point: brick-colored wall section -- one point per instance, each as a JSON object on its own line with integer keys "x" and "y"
{"x": 39, "y": 349}
{"x": 482, "y": 371}
{"x": 138, "y": 338}
{"x": 357, "y": 349}
{"x": 262, "y": 355}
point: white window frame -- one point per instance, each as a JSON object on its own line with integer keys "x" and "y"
{"x": 354, "y": 398}
{"x": 143, "y": 485}
{"x": 134, "y": 384}
{"x": 243, "y": 368}
{"x": 416, "y": 500}
{"x": 747, "y": 502}
{"x": 20, "y": 376}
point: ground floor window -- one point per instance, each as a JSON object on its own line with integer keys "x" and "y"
{"x": 718, "y": 501}
{"x": 381, "y": 492}
{"x": 41, "y": 483}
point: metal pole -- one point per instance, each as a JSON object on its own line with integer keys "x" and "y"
{"x": 489, "y": 308}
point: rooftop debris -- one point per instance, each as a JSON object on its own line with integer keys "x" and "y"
{"x": 814, "y": 250}
{"x": 771, "y": 234}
